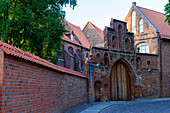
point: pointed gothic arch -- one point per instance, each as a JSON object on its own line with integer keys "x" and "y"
{"x": 114, "y": 42}
{"x": 127, "y": 44}
{"x": 122, "y": 80}
{"x": 106, "y": 58}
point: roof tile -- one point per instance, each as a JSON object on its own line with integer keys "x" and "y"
{"x": 157, "y": 20}
{"x": 78, "y": 32}
{"x": 14, "y": 51}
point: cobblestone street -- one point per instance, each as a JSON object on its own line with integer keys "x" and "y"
{"x": 139, "y": 107}
{"x": 160, "y": 105}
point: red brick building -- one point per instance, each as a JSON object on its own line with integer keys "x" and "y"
{"x": 75, "y": 48}
{"x": 94, "y": 35}
{"x": 134, "y": 62}
{"x": 152, "y": 32}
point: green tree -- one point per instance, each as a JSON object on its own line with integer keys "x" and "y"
{"x": 167, "y": 12}
{"x": 35, "y": 26}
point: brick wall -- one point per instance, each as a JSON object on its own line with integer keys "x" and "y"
{"x": 150, "y": 74}
{"x": 166, "y": 68}
{"x": 144, "y": 85}
{"x": 92, "y": 35}
{"x": 29, "y": 87}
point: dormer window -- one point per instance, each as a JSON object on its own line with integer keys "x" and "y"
{"x": 140, "y": 25}
{"x": 134, "y": 22}
{"x": 71, "y": 37}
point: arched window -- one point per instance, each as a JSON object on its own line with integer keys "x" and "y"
{"x": 134, "y": 22}
{"x": 149, "y": 64}
{"x": 127, "y": 44}
{"x": 139, "y": 62}
{"x": 98, "y": 57}
{"x": 114, "y": 42}
{"x": 106, "y": 59}
{"x": 141, "y": 25}
{"x": 79, "y": 52}
{"x": 142, "y": 48}
{"x": 120, "y": 31}
{"x": 70, "y": 49}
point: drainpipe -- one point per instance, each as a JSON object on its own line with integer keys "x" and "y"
{"x": 161, "y": 90}
{"x": 91, "y": 81}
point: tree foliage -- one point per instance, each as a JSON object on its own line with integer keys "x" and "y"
{"x": 167, "y": 12}
{"x": 35, "y": 26}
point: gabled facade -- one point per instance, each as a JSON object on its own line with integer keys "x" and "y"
{"x": 152, "y": 36}
{"x": 94, "y": 35}
{"x": 145, "y": 32}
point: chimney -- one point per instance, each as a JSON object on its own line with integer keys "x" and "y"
{"x": 133, "y": 3}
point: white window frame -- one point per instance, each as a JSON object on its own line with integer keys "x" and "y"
{"x": 134, "y": 22}
{"x": 71, "y": 37}
{"x": 143, "y": 48}
{"x": 141, "y": 25}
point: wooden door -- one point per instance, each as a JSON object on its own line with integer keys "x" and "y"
{"x": 119, "y": 83}
{"x": 97, "y": 91}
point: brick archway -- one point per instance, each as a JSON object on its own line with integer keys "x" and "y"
{"x": 122, "y": 80}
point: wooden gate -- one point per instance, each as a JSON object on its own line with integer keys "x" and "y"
{"x": 120, "y": 84}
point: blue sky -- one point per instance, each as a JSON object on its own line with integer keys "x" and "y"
{"x": 99, "y": 12}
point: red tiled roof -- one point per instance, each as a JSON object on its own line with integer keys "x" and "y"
{"x": 157, "y": 19}
{"x": 98, "y": 30}
{"x": 80, "y": 35}
{"x": 10, "y": 50}
{"x": 65, "y": 38}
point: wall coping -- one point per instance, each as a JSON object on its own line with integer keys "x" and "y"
{"x": 14, "y": 51}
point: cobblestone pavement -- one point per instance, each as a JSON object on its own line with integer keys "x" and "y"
{"x": 162, "y": 106}
{"x": 81, "y": 107}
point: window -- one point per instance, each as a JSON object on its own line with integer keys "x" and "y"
{"x": 98, "y": 58}
{"x": 70, "y": 49}
{"x": 141, "y": 25}
{"x": 142, "y": 48}
{"x": 114, "y": 42}
{"x": 127, "y": 44}
{"x": 78, "y": 52}
{"x": 139, "y": 63}
{"x": 134, "y": 22}
{"x": 71, "y": 37}
{"x": 106, "y": 59}
{"x": 120, "y": 31}
{"x": 87, "y": 56}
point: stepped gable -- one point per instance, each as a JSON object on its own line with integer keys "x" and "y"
{"x": 157, "y": 19}
{"x": 80, "y": 35}
{"x": 14, "y": 51}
